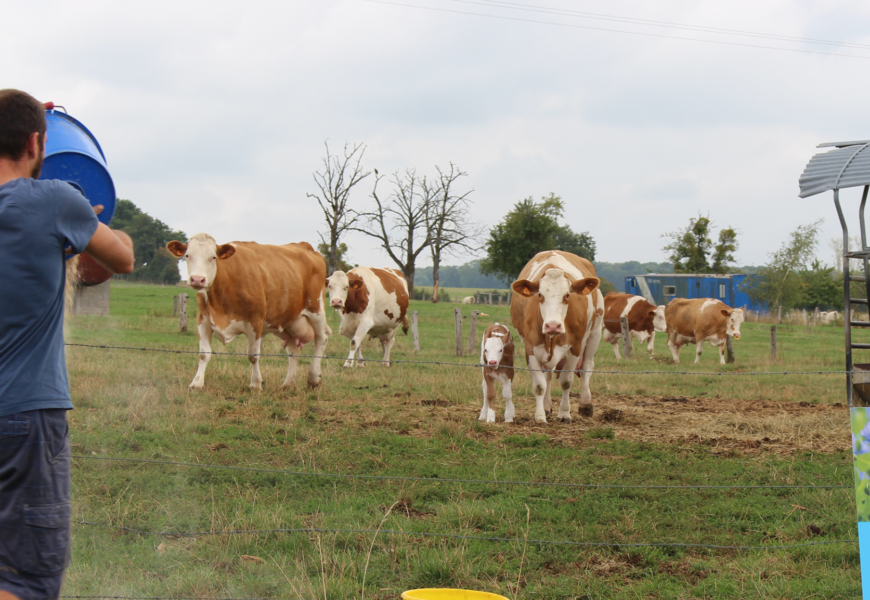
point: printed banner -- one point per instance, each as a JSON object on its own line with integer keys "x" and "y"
{"x": 861, "y": 456}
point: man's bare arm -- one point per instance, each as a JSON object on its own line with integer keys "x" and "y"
{"x": 111, "y": 248}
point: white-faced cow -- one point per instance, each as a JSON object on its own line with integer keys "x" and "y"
{"x": 497, "y": 358}
{"x": 698, "y": 320}
{"x": 371, "y": 301}
{"x": 644, "y": 319}
{"x": 555, "y": 309}
{"x": 250, "y": 289}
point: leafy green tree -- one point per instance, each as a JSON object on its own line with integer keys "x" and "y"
{"x": 820, "y": 287}
{"x": 531, "y": 227}
{"x": 691, "y": 249}
{"x": 150, "y": 235}
{"x": 779, "y": 283}
{"x": 340, "y": 256}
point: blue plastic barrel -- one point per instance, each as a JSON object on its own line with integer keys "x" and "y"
{"x": 73, "y": 154}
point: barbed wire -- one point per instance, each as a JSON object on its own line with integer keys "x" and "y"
{"x": 458, "y": 536}
{"x": 454, "y": 480}
{"x": 473, "y": 365}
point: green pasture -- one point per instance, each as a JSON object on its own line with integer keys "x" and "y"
{"x": 371, "y": 538}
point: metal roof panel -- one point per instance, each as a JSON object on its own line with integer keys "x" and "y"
{"x": 845, "y": 166}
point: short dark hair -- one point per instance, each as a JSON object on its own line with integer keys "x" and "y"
{"x": 20, "y": 115}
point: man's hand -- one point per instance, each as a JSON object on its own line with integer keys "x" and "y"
{"x": 112, "y": 249}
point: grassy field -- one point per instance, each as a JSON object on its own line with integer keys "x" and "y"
{"x": 713, "y": 426}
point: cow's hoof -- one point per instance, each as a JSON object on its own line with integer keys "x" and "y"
{"x": 347, "y": 366}
{"x": 195, "y": 386}
{"x": 585, "y": 410}
{"x": 256, "y": 387}
{"x": 541, "y": 420}
{"x": 563, "y": 419}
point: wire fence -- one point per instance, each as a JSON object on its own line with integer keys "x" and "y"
{"x": 438, "y": 480}
{"x": 458, "y": 364}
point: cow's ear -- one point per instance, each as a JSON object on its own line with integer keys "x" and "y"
{"x": 176, "y": 248}
{"x": 585, "y": 286}
{"x": 524, "y": 287}
{"x": 225, "y": 251}
{"x": 355, "y": 284}
{"x": 726, "y": 314}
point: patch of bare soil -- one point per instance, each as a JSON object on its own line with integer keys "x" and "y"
{"x": 724, "y": 425}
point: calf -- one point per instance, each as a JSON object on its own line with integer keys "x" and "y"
{"x": 497, "y": 358}
{"x": 644, "y": 319}
{"x": 555, "y": 309}
{"x": 698, "y": 320}
{"x": 250, "y": 289}
{"x": 372, "y": 302}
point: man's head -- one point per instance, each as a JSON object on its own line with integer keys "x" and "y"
{"x": 22, "y": 128}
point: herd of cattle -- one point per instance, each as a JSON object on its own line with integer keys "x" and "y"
{"x": 250, "y": 289}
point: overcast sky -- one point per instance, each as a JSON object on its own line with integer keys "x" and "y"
{"x": 213, "y": 115}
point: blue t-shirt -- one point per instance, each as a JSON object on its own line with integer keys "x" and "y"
{"x": 38, "y": 219}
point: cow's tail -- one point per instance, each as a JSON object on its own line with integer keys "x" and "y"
{"x": 405, "y": 325}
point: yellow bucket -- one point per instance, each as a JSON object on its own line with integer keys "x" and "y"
{"x": 449, "y": 594}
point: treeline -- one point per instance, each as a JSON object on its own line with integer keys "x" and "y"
{"x": 150, "y": 236}
{"x": 463, "y": 276}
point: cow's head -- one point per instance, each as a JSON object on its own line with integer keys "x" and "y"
{"x": 337, "y": 285}
{"x": 201, "y": 254}
{"x": 735, "y": 318}
{"x": 493, "y": 347}
{"x": 658, "y": 317}
{"x": 553, "y": 292}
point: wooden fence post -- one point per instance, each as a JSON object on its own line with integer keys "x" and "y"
{"x": 729, "y": 349}
{"x": 477, "y": 297}
{"x": 471, "y": 332}
{"x": 773, "y": 342}
{"x": 457, "y": 315}
{"x": 414, "y": 332}
{"x": 182, "y": 312}
{"x": 490, "y": 299}
{"x": 779, "y": 318}
{"x": 626, "y": 336}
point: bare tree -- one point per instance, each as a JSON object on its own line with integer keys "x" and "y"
{"x": 449, "y": 225}
{"x": 399, "y": 222}
{"x": 336, "y": 180}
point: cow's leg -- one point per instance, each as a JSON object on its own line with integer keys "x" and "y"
{"x": 487, "y": 413}
{"x": 254, "y": 343}
{"x": 539, "y": 386}
{"x": 722, "y": 352}
{"x": 613, "y": 340}
{"x": 566, "y": 379}
{"x": 293, "y": 353}
{"x": 359, "y": 362}
{"x": 387, "y": 344}
{"x": 674, "y": 347}
{"x": 699, "y": 347}
{"x": 321, "y": 336}
{"x": 651, "y": 346}
{"x": 356, "y": 342}
{"x": 587, "y": 360}
{"x": 507, "y": 394}
{"x": 204, "y": 332}
{"x": 548, "y": 399}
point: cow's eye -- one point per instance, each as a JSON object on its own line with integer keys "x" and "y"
{"x": 541, "y": 297}
{"x": 187, "y": 256}
{"x": 566, "y": 297}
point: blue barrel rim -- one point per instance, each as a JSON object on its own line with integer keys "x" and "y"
{"x": 81, "y": 126}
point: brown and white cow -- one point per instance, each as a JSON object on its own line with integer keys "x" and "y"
{"x": 250, "y": 289}
{"x": 371, "y": 301}
{"x": 497, "y": 358}
{"x": 555, "y": 309}
{"x": 698, "y": 320}
{"x": 644, "y": 319}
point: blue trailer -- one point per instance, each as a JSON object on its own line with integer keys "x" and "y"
{"x": 661, "y": 288}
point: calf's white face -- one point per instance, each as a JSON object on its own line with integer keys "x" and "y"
{"x": 659, "y": 323}
{"x": 734, "y": 321}
{"x": 201, "y": 255}
{"x": 493, "y": 350}
{"x": 337, "y": 284}
{"x": 553, "y": 291}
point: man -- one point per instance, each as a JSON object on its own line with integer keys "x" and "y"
{"x": 40, "y": 221}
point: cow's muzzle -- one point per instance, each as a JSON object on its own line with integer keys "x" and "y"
{"x": 493, "y": 363}
{"x": 336, "y": 304}
{"x": 552, "y": 328}
{"x": 197, "y": 282}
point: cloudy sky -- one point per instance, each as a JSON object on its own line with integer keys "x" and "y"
{"x": 213, "y": 115}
